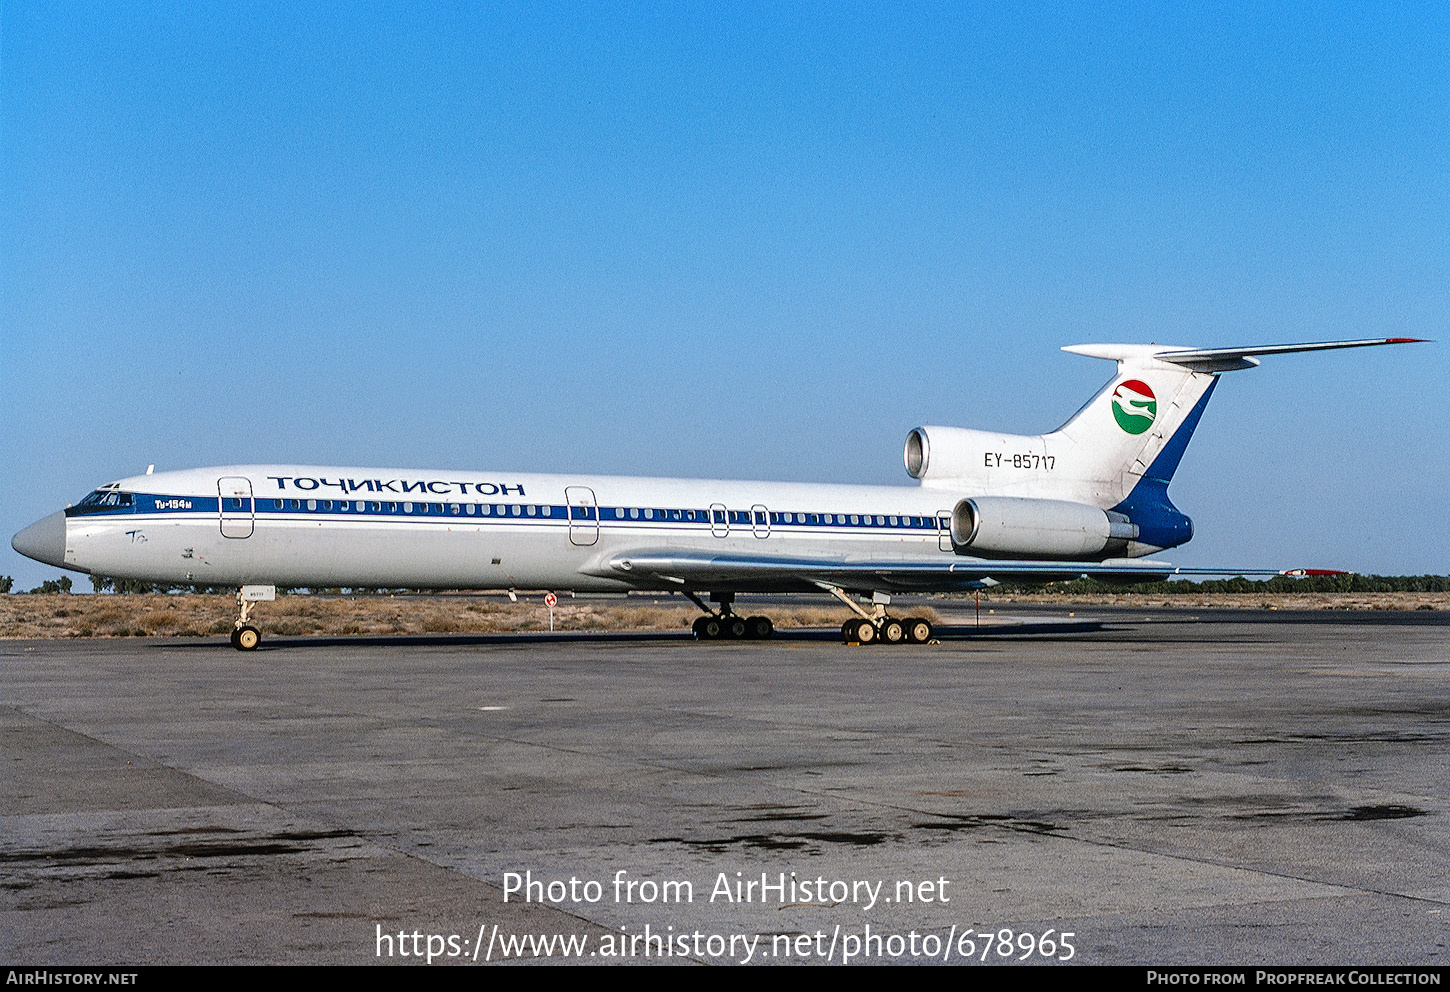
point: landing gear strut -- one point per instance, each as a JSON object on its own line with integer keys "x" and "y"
{"x": 876, "y": 626}
{"x": 245, "y": 637}
{"x": 725, "y": 625}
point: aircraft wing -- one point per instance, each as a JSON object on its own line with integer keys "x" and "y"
{"x": 772, "y": 573}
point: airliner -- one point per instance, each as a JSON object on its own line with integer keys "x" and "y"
{"x": 1088, "y": 499}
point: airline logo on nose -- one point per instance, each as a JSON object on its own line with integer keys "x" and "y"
{"x": 1134, "y": 406}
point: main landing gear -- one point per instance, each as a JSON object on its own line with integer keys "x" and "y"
{"x": 725, "y": 625}
{"x": 876, "y": 627}
{"x": 887, "y": 630}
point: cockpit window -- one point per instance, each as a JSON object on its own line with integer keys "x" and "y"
{"x": 107, "y": 497}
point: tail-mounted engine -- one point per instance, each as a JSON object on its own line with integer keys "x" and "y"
{"x": 1012, "y": 527}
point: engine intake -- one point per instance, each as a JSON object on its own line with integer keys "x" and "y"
{"x": 942, "y": 454}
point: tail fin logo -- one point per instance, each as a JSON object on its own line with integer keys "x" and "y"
{"x": 1134, "y": 406}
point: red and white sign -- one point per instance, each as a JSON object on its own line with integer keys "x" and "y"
{"x": 550, "y": 599}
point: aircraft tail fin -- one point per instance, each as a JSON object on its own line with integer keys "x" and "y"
{"x": 1124, "y": 446}
{"x": 1133, "y": 432}
{"x": 1139, "y": 424}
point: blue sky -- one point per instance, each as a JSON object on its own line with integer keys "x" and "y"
{"x": 758, "y": 241}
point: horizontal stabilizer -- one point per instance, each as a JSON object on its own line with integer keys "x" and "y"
{"x": 1217, "y": 359}
{"x": 1230, "y": 359}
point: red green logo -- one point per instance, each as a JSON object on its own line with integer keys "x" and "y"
{"x": 1134, "y": 406}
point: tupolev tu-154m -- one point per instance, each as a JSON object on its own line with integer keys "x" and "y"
{"x": 1088, "y": 499}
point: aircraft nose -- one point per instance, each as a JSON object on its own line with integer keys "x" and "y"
{"x": 43, "y": 540}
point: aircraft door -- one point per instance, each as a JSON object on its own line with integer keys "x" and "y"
{"x": 583, "y": 515}
{"x": 719, "y": 520}
{"x": 760, "y": 520}
{"x": 944, "y": 530}
{"x": 236, "y": 505}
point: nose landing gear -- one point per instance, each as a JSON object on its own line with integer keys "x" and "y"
{"x": 245, "y": 637}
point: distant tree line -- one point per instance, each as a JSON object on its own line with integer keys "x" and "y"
{"x": 60, "y": 585}
{"x": 102, "y": 583}
{"x": 1278, "y": 584}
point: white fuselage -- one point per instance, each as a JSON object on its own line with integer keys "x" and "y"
{"x": 352, "y": 527}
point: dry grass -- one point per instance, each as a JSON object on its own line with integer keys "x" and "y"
{"x": 198, "y": 616}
